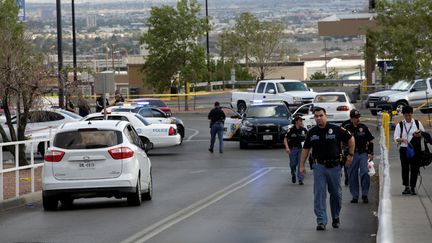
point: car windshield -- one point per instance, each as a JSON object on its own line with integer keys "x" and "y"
{"x": 402, "y": 85}
{"x": 330, "y": 98}
{"x": 291, "y": 86}
{"x": 87, "y": 139}
{"x": 267, "y": 111}
{"x": 71, "y": 114}
{"x": 142, "y": 119}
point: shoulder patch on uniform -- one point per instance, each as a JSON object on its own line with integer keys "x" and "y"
{"x": 330, "y": 131}
{"x": 361, "y": 129}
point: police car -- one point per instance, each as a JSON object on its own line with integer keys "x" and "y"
{"x": 151, "y": 134}
{"x": 152, "y": 115}
{"x": 264, "y": 122}
{"x": 232, "y": 123}
{"x": 337, "y": 105}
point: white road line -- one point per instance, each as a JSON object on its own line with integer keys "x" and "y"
{"x": 196, "y": 132}
{"x": 187, "y": 212}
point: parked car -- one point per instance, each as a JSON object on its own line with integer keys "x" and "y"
{"x": 337, "y": 105}
{"x": 293, "y": 93}
{"x": 41, "y": 123}
{"x": 153, "y": 135}
{"x": 153, "y": 115}
{"x": 402, "y": 93}
{"x": 153, "y": 102}
{"x": 232, "y": 124}
{"x": 264, "y": 123}
{"x": 96, "y": 159}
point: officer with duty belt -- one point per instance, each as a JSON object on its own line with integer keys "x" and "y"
{"x": 363, "y": 153}
{"x": 325, "y": 141}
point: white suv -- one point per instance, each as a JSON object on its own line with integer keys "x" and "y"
{"x": 96, "y": 159}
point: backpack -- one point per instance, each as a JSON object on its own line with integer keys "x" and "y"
{"x": 425, "y": 155}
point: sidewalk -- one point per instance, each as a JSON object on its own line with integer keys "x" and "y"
{"x": 411, "y": 215}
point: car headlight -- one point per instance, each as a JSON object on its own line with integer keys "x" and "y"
{"x": 285, "y": 128}
{"x": 297, "y": 99}
{"x": 247, "y": 125}
{"x": 384, "y": 98}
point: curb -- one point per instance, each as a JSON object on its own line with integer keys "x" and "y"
{"x": 20, "y": 201}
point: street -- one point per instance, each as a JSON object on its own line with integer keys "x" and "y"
{"x": 237, "y": 196}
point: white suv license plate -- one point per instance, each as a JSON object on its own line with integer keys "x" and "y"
{"x": 371, "y": 105}
{"x": 87, "y": 165}
{"x": 267, "y": 137}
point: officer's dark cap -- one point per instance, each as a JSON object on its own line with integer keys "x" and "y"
{"x": 354, "y": 113}
{"x": 217, "y": 103}
{"x": 296, "y": 118}
{"x": 407, "y": 110}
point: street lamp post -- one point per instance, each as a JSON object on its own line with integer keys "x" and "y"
{"x": 74, "y": 43}
{"x": 208, "y": 46}
{"x": 60, "y": 55}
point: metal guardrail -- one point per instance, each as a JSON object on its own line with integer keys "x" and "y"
{"x": 385, "y": 228}
{"x": 18, "y": 168}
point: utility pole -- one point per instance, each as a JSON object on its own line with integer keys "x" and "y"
{"x": 74, "y": 43}
{"x": 60, "y": 55}
{"x": 208, "y": 46}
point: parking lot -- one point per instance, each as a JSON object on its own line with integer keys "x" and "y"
{"x": 238, "y": 196}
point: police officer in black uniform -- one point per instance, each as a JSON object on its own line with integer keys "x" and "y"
{"x": 325, "y": 141}
{"x": 293, "y": 146}
{"x": 363, "y": 152}
{"x": 217, "y": 119}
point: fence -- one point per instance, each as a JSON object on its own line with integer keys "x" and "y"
{"x": 16, "y": 168}
{"x": 385, "y": 229}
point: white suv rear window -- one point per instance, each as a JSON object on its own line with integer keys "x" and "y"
{"x": 87, "y": 139}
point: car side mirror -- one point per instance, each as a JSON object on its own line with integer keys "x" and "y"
{"x": 271, "y": 91}
{"x": 311, "y": 90}
{"x": 413, "y": 90}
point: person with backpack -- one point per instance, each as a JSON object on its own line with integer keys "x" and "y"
{"x": 404, "y": 132}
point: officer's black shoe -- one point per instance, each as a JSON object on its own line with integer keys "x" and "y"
{"x": 293, "y": 179}
{"x": 354, "y": 200}
{"x": 321, "y": 227}
{"x": 413, "y": 192}
{"x": 301, "y": 183}
{"x": 211, "y": 150}
{"x": 365, "y": 199}
{"x": 336, "y": 223}
{"x": 406, "y": 191}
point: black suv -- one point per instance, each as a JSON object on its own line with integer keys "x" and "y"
{"x": 264, "y": 123}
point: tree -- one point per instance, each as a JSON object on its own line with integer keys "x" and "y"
{"x": 257, "y": 43}
{"x": 172, "y": 43}
{"x": 404, "y": 35}
{"x": 21, "y": 73}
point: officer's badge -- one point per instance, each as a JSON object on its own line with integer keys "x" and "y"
{"x": 330, "y": 131}
{"x": 361, "y": 129}
{"x": 303, "y": 133}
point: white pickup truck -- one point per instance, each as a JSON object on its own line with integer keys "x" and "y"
{"x": 293, "y": 92}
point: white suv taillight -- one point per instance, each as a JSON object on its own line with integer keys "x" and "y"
{"x": 121, "y": 153}
{"x": 54, "y": 156}
{"x": 172, "y": 131}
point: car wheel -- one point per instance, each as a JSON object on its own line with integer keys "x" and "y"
{"x": 147, "y": 196}
{"x": 400, "y": 105}
{"x": 49, "y": 203}
{"x": 135, "y": 199}
{"x": 241, "y": 107}
{"x": 67, "y": 201}
{"x": 181, "y": 131}
{"x": 374, "y": 112}
{"x": 243, "y": 145}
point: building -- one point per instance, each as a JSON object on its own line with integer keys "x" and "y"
{"x": 91, "y": 21}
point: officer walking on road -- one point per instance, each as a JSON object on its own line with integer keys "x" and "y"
{"x": 217, "y": 118}
{"x": 293, "y": 146}
{"x": 325, "y": 141}
{"x": 363, "y": 152}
